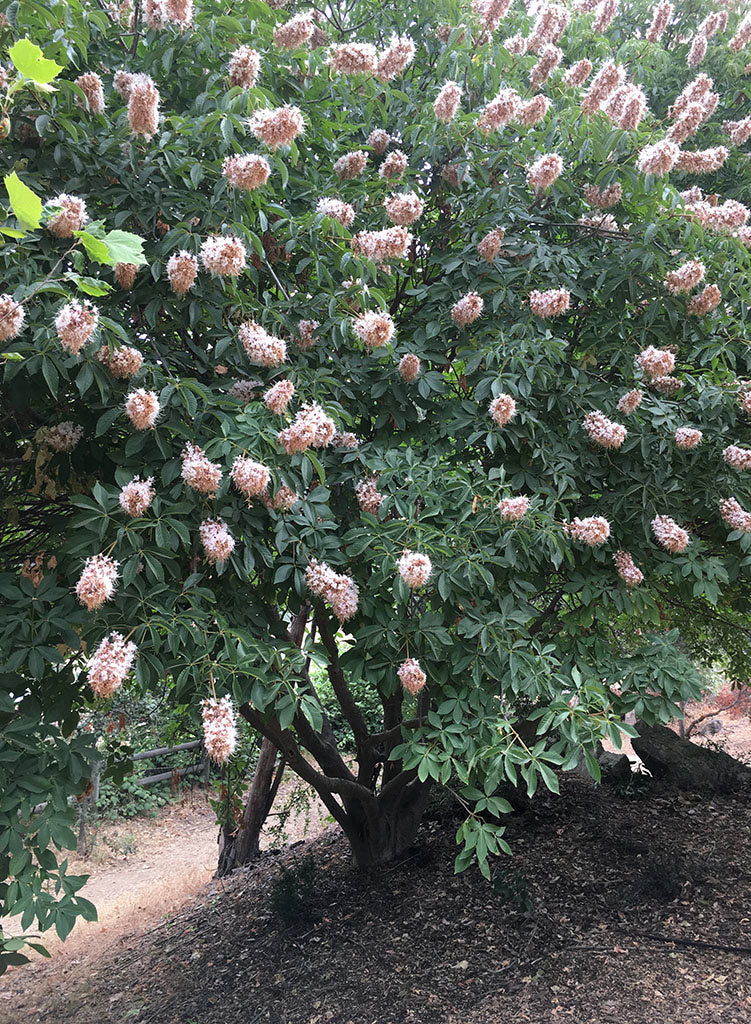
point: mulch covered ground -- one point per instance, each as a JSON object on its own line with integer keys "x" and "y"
{"x": 577, "y": 927}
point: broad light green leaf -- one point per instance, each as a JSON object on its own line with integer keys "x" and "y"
{"x": 25, "y": 204}
{"x": 124, "y": 247}
{"x": 31, "y": 62}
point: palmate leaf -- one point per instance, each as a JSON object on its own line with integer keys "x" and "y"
{"x": 28, "y": 58}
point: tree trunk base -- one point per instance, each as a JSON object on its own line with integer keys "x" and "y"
{"x": 687, "y": 765}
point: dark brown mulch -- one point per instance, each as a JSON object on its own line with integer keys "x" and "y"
{"x": 561, "y": 936}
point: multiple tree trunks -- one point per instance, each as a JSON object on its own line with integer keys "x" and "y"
{"x": 687, "y": 765}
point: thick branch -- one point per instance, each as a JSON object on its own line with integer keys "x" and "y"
{"x": 343, "y": 693}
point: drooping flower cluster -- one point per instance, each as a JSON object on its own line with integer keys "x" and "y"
{"x": 409, "y": 367}
{"x": 659, "y": 158}
{"x": 278, "y": 397}
{"x": 491, "y": 12}
{"x": 404, "y": 207}
{"x": 218, "y": 542}
{"x": 310, "y": 428}
{"x": 63, "y": 437}
{"x": 379, "y": 140}
{"x": 75, "y": 323}
{"x": 549, "y": 303}
{"x": 182, "y": 269}
{"x": 503, "y": 409}
{"x": 374, "y": 329}
{"x": 351, "y": 165}
{"x": 742, "y": 35}
{"x": 578, "y": 73}
{"x": 125, "y": 275}
{"x": 687, "y": 438}
{"x": 605, "y": 11}
{"x": 447, "y": 102}
{"x": 739, "y": 131}
{"x": 143, "y": 106}
{"x": 122, "y": 362}
{"x": 142, "y": 408}
{"x": 703, "y": 161}
{"x": 353, "y": 59}
{"x": 12, "y": 317}
{"x": 606, "y": 81}
{"x": 96, "y": 584}
{"x": 110, "y": 664}
{"x": 499, "y": 112}
{"x": 627, "y": 570}
{"x": 630, "y": 402}
{"x": 285, "y": 498}
{"x": 249, "y": 477}
{"x": 656, "y": 362}
{"x": 626, "y": 107}
{"x": 246, "y": 171}
{"x": 294, "y": 33}
{"x": 544, "y": 171}
{"x": 490, "y": 244}
{"x": 669, "y": 535}
{"x": 514, "y": 508}
{"x": 338, "y": 589}
{"x": 532, "y": 111}
{"x": 337, "y": 210}
{"x": 223, "y": 255}
{"x": 70, "y": 217}
{"x": 467, "y": 309}
{"x": 261, "y": 347}
{"x": 382, "y": 246}
{"x": 219, "y": 729}
{"x": 394, "y": 165}
{"x": 549, "y": 58}
{"x": 592, "y": 530}
{"x": 278, "y": 127}
{"x": 735, "y": 515}
{"x": 394, "y": 60}
{"x": 415, "y": 568}
{"x": 246, "y": 390}
{"x": 306, "y": 334}
{"x": 91, "y": 86}
{"x": 411, "y": 676}
{"x": 686, "y": 277}
{"x": 244, "y": 65}
{"x": 707, "y": 300}
{"x": 199, "y": 472}
{"x": 662, "y": 14}
{"x": 738, "y": 458}
{"x": 603, "y": 431}
{"x": 369, "y": 498}
{"x": 136, "y": 497}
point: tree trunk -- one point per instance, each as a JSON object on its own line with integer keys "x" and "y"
{"x": 687, "y": 765}
{"x": 241, "y": 845}
{"x": 380, "y": 834}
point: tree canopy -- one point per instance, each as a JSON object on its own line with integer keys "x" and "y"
{"x": 403, "y": 340}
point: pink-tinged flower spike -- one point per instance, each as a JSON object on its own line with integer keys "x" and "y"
{"x": 607, "y": 80}
{"x": 285, "y": 498}
{"x": 603, "y": 431}
{"x": 513, "y": 509}
{"x": 182, "y": 269}
{"x": 246, "y": 390}
{"x": 704, "y": 161}
{"x": 532, "y": 111}
{"x": 246, "y": 171}
{"x": 688, "y": 123}
{"x": 687, "y": 438}
{"x": 627, "y": 570}
{"x": 742, "y": 35}
{"x": 415, "y": 569}
{"x": 374, "y": 329}
{"x": 707, "y": 300}
{"x": 369, "y": 498}
{"x": 279, "y": 127}
{"x": 122, "y": 362}
{"x": 604, "y": 14}
{"x": 121, "y": 83}
{"x": 491, "y": 12}
{"x": 353, "y": 59}
{"x": 277, "y": 398}
{"x": 698, "y": 51}
{"x": 447, "y": 102}
{"x": 339, "y": 590}
{"x": 310, "y": 428}
{"x": 382, "y": 246}
{"x": 306, "y": 334}
{"x": 592, "y": 530}
{"x": 394, "y": 165}
{"x": 244, "y": 65}
{"x": 738, "y": 458}
{"x": 137, "y": 496}
{"x": 549, "y": 303}
{"x": 142, "y": 408}
{"x": 91, "y": 86}
{"x": 544, "y": 171}
{"x": 411, "y": 676}
{"x": 656, "y": 362}
{"x": 549, "y": 59}
{"x": 71, "y": 217}
{"x": 75, "y": 324}
{"x": 218, "y": 542}
{"x": 605, "y": 198}
{"x": 735, "y": 515}
{"x": 337, "y": 210}
{"x": 467, "y": 309}
{"x": 404, "y": 208}
{"x": 409, "y": 367}
{"x": 396, "y": 58}
{"x": 125, "y": 275}
{"x": 626, "y": 107}
{"x": 578, "y": 73}
{"x": 739, "y": 131}
{"x": 179, "y": 12}
{"x": 63, "y": 437}
{"x": 499, "y": 112}
{"x": 219, "y": 729}
{"x": 503, "y": 409}
{"x": 516, "y": 45}
{"x": 666, "y": 385}
{"x": 97, "y": 583}
{"x": 630, "y": 402}
{"x": 249, "y": 477}
{"x": 12, "y": 317}
{"x": 669, "y": 535}
{"x": 351, "y": 165}
{"x": 154, "y": 14}
{"x": 295, "y": 33}
{"x": 659, "y": 158}
{"x": 110, "y": 664}
{"x": 199, "y": 472}
{"x": 491, "y": 244}
{"x": 224, "y": 255}
{"x": 660, "y": 18}
{"x": 379, "y": 140}
{"x": 686, "y": 277}
{"x": 143, "y": 107}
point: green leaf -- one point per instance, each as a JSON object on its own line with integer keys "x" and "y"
{"x": 28, "y": 58}
{"x": 95, "y": 247}
{"x": 124, "y": 247}
{"x": 25, "y": 204}
{"x": 89, "y": 285}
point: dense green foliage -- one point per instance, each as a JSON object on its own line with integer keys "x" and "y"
{"x": 519, "y": 623}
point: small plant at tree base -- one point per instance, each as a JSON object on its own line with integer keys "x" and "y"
{"x": 292, "y": 894}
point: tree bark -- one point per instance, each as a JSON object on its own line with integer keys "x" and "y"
{"x": 382, "y": 833}
{"x": 242, "y": 844}
{"x": 687, "y": 765}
